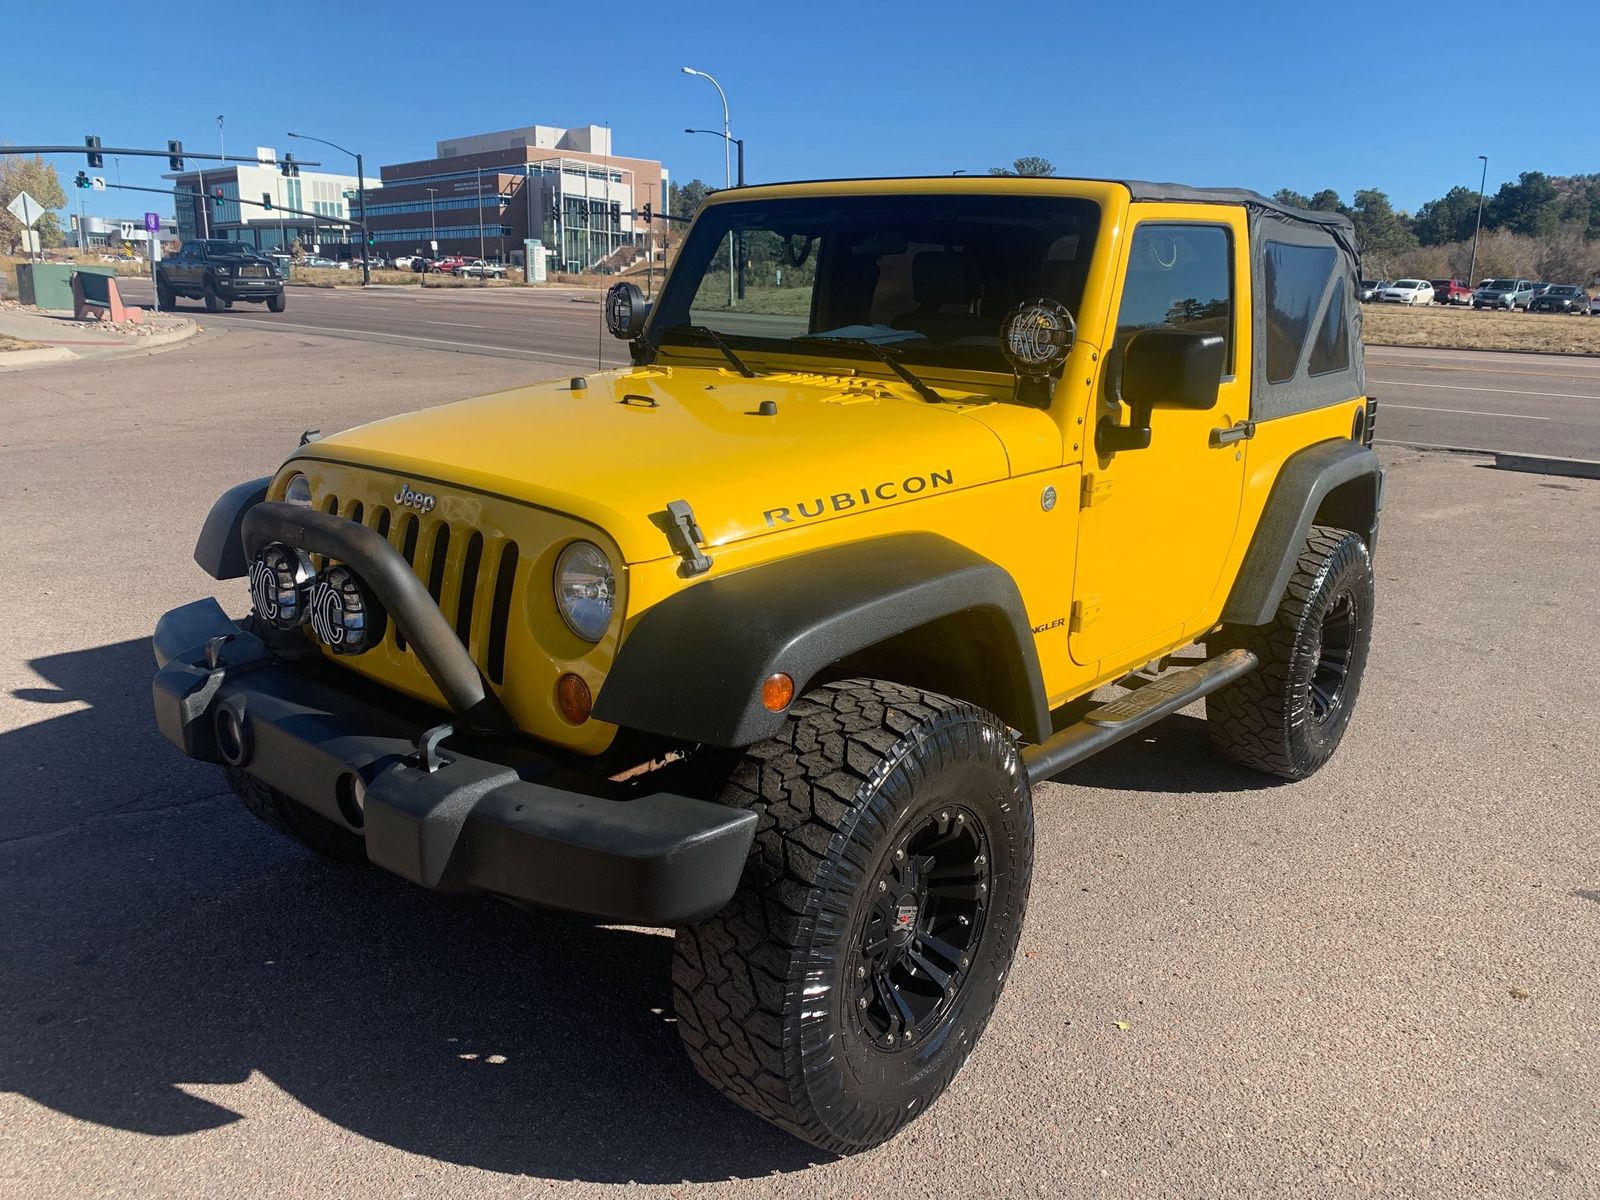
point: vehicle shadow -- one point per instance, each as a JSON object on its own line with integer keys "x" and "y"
{"x": 1173, "y": 755}
{"x": 161, "y": 942}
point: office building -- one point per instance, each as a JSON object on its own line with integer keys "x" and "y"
{"x": 309, "y": 208}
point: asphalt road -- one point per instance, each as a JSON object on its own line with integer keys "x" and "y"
{"x": 1538, "y": 404}
{"x": 1381, "y": 980}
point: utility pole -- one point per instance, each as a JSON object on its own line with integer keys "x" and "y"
{"x": 433, "y": 222}
{"x": 480, "y": 213}
{"x": 1472, "y": 269}
{"x": 361, "y": 198}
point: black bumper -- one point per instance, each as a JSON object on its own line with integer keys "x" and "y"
{"x": 495, "y": 816}
{"x": 249, "y": 289}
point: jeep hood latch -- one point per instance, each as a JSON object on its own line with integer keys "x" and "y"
{"x": 684, "y": 536}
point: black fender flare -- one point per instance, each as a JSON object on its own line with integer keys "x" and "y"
{"x": 692, "y": 666}
{"x": 219, "y": 550}
{"x": 1306, "y": 484}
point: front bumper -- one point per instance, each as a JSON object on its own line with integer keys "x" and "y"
{"x": 483, "y": 814}
{"x": 235, "y": 288}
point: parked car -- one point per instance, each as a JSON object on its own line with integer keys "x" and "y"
{"x": 219, "y": 272}
{"x": 1450, "y": 291}
{"x": 1371, "y": 287}
{"x": 1541, "y": 288}
{"x": 317, "y": 260}
{"x": 1561, "y": 298}
{"x": 479, "y": 269}
{"x": 1408, "y": 291}
{"x": 1594, "y": 305}
{"x": 447, "y": 265}
{"x": 1508, "y": 294}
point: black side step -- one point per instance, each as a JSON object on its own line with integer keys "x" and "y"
{"x": 1117, "y": 719}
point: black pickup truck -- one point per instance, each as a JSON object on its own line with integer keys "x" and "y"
{"x": 218, "y": 272}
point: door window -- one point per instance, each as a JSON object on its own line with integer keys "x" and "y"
{"x": 1179, "y": 276}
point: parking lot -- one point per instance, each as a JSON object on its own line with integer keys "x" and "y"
{"x": 1382, "y": 980}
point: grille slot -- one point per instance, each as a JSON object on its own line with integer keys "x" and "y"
{"x": 500, "y": 613}
{"x": 469, "y": 588}
{"x": 382, "y": 524}
{"x": 441, "y": 548}
{"x": 408, "y": 550}
{"x": 356, "y": 512}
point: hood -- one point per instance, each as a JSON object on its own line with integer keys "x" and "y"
{"x": 616, "y": 451}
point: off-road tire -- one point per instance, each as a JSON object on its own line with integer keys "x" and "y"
{"x": 1271, "y": 719}
{"x": 164, "y": 299}
{"x": 766, "y": 995}
{"x": 276, "y": 303}
{"x": 214, "y": 302}
{"x": 312, "y": 830}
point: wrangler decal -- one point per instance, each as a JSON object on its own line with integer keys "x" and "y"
{"x": 840, "y": 501}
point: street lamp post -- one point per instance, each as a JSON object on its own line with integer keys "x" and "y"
{"x": 361, "y": 199}
{"x": 739, "y": 142}
{"x": 1472, "y": 268}
{"x": 727, "y": 165}
{"x": 481, "y": 254}
{"x": 433, "y": 222}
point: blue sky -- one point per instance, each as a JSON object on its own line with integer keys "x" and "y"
{"x": 1219, "y": 93}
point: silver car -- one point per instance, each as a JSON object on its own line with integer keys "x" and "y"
{"x": 1507, "y": 294}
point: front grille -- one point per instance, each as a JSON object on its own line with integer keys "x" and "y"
{"x": 1370, "y": 429}
{"x": 457, "y": 585}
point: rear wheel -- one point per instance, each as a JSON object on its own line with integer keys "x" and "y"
{"x": 850, "y": 977}
{"x": 1288, "y": 716}
{"x": 164, "y": 300}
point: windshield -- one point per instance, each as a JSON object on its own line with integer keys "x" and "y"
{"x": 216, "y": 248}
{"x": 1564, "y": 291}
{"x": 932, "y": 276}
{"x": 1502, "y": 285}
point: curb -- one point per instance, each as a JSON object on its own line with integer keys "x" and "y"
{"x": 1544, "y": 464}
{"x": 1436, "y": 447}
{"x": 16, "y": 359}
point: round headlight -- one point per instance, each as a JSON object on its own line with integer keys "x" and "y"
{"x": 345, "y": 616}
{"x": 280, "y": 579}
{"x": 298, "y": 491}
{"x": 586, "y": 590}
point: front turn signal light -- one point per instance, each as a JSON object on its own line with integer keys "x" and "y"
{"x": 776, "y": 692}
{"x": 573, "y": 698}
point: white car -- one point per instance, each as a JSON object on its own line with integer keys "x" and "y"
{"x": 1408, "y": 291}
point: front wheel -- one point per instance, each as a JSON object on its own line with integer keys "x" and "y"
{"x": 214, "y": 302}
{"x": 164, "y": 299}
{"x": 853, "y": 972}
{"x": 1288, "y": 716}
{"x": 276, "y": 303}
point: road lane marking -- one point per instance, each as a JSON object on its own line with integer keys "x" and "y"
{"x": 1395, "y": 364}
{"x": 458, "y": 324}
{"x": 335, "y": 330}
{"x": 1456, "y": 387}
{"x": 1465, "y": 412}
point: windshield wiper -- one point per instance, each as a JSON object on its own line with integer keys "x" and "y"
{"x": 882, "y": 355}
{"x": 717, "y": 340}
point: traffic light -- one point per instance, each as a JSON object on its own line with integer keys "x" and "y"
{"x": 216, "y": 197}
{"x": 372, "y": 239}
{"x": 81, "y": 181}
{"x": 647, "y": 216}
{"x": 174, "y": 155}
{"x": 266, "y": 201}
{"x": 96, "y": 159}
{"x": 289, "y": 167}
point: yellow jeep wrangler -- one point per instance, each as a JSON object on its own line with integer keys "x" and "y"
{"x": 917, "y": 493}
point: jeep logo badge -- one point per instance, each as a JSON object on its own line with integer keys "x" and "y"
{"x": 407, "y": 498}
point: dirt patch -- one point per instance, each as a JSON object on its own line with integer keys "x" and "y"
{"x": 11, "y": 343}
{"x": 1466, "y": 329}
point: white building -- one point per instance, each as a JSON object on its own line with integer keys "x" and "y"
{"x": 311, "y": 207}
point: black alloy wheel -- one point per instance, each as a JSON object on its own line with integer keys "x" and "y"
{"x": 913, "y": 952}
{"x": 1334, "y": 653}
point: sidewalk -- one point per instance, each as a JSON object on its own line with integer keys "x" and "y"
{"x": 60, "y": 338}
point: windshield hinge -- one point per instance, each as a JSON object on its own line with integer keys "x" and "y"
{"x": 684, "y": 536}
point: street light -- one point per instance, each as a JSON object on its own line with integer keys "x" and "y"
{"x": 361, "y": 198}
{"x": 1472, "y": 268}
{"x": 727, "y": 165}
{"x": 739, "y": 142}
{"x": 433, "y": 222}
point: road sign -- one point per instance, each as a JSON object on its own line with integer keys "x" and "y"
{"x": 25, "y": 209}
{"x": 152, "y": 222}
{"x": 98, "y": 182}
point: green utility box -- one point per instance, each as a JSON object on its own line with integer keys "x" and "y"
{"x": 49, "y": 285}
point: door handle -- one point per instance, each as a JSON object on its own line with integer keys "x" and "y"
{"x": 1243, "y": 431}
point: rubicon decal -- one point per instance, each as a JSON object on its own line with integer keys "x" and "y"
{"x": 838, "y": 502}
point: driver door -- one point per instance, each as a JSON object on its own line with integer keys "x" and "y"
{"x": 1158, "y": 523}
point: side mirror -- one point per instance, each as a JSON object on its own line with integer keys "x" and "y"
{"x": 1163, "y": 368}
{"x": 626, "y": 311}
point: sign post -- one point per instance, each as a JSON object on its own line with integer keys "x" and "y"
{"x": 152, "y": 226}
{"x": 27, "y": 210}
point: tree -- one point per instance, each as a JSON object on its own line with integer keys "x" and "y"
{"x": 1381, "y": 233}
{"x": 1327, "y": 200}
{"x": 685, "y": 199}
{"x": 1292, "y": 198}
{"x": 39, "y": 179}
{"x": 1027, "y": 165}
{"x": 1530, "y": 206}
{"x": 1450, "y": 218}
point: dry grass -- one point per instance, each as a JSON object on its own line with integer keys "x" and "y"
{"x": 11, "y": 343}
{"x": 330, "y": 277}
{"x": 1464, "y": 329}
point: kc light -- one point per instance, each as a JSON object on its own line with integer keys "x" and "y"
{"x": 345, "y": 615}
{"x": 298, "y": 491}
{"x": 585, "y": 590}
{"x": 280, "y": 582}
